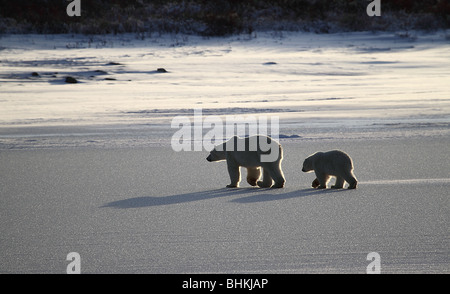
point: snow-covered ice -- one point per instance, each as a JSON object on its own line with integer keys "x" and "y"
{"x": 88, "y": 167}
{"x": 150, "y": 210}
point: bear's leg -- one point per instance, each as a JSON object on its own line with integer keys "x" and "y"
{"x": 315, "y": 183}
{"x": 353, "y": 183}
{"x": 278, "y": 177}
{"x": 267, "y": 179}
{"x": 253, "y": 174}
{"x": 235, "y": 175}
{"x": 323, "y": 180}
{"x": 351, "y": 180}
{"x": 339, "y": 183}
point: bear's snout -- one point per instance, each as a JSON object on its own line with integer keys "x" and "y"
{"x": 208, "y": 158}
{"x": 303, "y": 170}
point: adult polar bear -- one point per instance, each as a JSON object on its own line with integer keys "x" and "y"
{"x": 253, "y": 153}
{"x": 332, "y": 163}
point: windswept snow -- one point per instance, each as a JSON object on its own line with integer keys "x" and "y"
{"x": 353, "y": 80}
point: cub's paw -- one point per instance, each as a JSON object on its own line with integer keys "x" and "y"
{"x": 315, "y": 183}
{"x": 232, "y": 186}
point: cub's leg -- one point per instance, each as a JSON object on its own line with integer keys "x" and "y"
{"x": 323, "y": 180}
{"x": 315, "y": 183}
{"x": 351, "y": 180}
{"x": 339, "y": 183}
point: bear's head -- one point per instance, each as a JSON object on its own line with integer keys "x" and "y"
{"x": 307, "y": 165}
{"x": 217, "y": 154}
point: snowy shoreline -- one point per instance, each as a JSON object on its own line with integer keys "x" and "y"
{"x": 346, "y": 83}
{"x": 99, "y": 137}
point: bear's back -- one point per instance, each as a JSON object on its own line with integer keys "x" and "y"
{"x": 339, "y": 157}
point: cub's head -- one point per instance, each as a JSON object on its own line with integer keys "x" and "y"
{"x": 217, "y": 154}
{"x": 307, "y": 165}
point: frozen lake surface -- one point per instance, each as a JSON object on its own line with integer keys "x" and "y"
{"x": 151, "y": 210}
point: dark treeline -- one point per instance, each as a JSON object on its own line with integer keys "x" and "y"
{"x": 219, "y": 17}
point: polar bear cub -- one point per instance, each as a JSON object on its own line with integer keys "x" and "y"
{"x": 334, "y": 163}
{"x": 254, "y": 153}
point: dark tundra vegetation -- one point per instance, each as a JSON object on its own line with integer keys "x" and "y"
{"x": 219, "y": 17}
